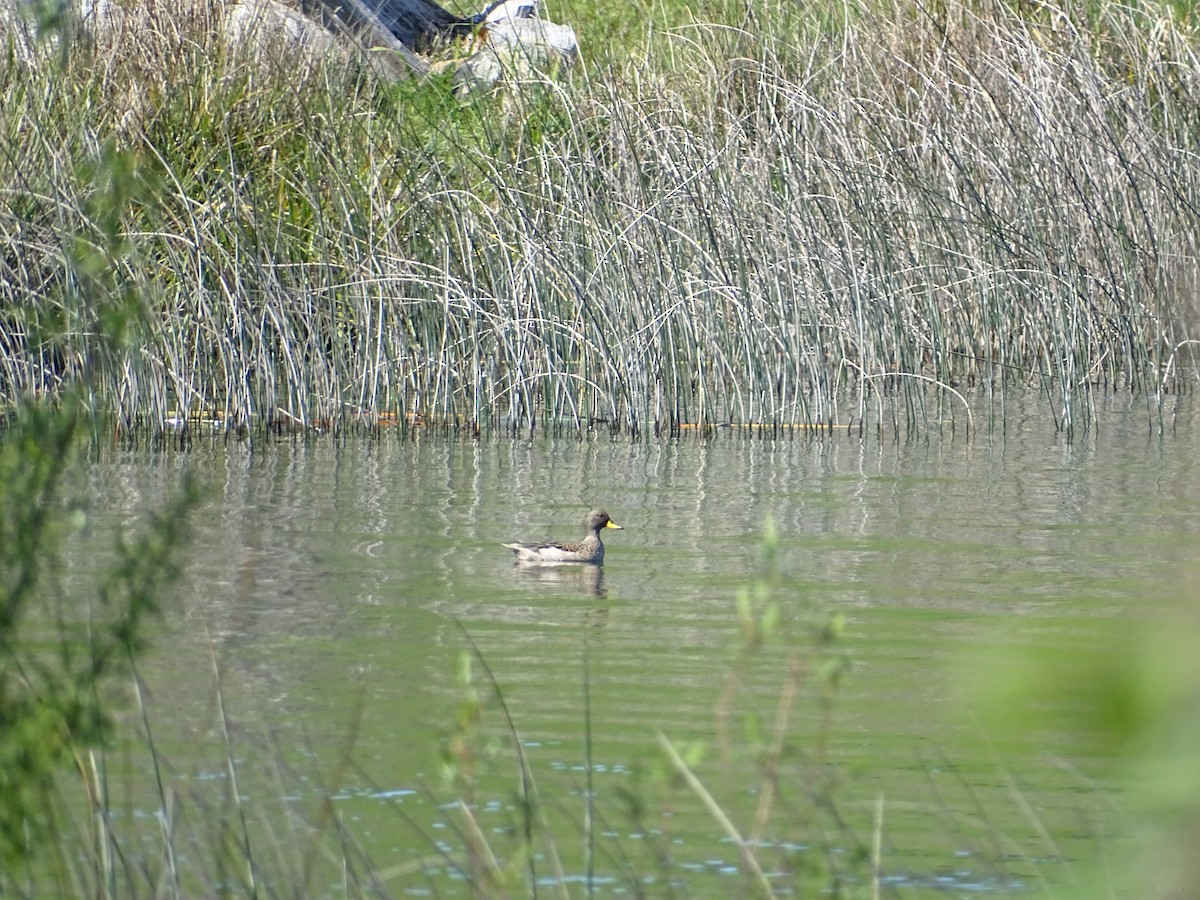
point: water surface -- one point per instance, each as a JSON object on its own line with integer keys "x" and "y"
{"x": 335, "y": 588}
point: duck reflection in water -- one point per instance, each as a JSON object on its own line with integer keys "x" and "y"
{"x": 587, "y": 579}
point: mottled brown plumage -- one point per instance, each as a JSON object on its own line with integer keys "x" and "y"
{"x": 589, "y": 550}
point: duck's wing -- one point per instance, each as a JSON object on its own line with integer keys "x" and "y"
{"x": 552, "y": 551}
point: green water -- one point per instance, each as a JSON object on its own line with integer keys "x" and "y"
{"x": 333, "y": 587}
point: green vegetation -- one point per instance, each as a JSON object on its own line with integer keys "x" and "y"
{"x": 779, "y": 215}
{"x": 63, "y": 649}
{"x": 780, "y": 218}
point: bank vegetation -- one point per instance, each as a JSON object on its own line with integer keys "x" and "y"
{"x": 783, "y": 215}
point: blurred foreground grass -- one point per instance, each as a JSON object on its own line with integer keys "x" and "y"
{"x": 1135, "y": 701}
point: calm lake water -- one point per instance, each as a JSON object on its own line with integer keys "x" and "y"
{"x": 336, "y": 588}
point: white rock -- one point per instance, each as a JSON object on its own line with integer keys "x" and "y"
{"x": 517, "y": 48}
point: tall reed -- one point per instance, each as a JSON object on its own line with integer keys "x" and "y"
{"x": 856, "y": 216}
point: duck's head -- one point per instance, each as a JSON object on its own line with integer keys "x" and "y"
{"x": 598, "y": 519}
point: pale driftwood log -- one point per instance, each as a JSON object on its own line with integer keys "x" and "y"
{"x": 397, "y": 29}
{"x": 508, "y": 40}
{"x": 392, "y": 32}
{"x": 270, "y": 33}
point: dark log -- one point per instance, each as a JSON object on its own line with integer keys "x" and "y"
{"x": 402, "y": 26}
{"x": 411, "y": 24}
{"x": 416, "y": 23}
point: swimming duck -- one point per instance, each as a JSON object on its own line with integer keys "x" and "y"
{"x": 589, "y": 550}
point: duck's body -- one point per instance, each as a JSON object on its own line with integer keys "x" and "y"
{"x": 590, "y": 550}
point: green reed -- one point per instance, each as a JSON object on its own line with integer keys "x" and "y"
{"x": 872, "y": 219}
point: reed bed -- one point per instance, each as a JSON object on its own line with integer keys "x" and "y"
{"x": 863, "y": 216}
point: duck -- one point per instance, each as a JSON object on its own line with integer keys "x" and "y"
{"x": 590, "y": 550}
